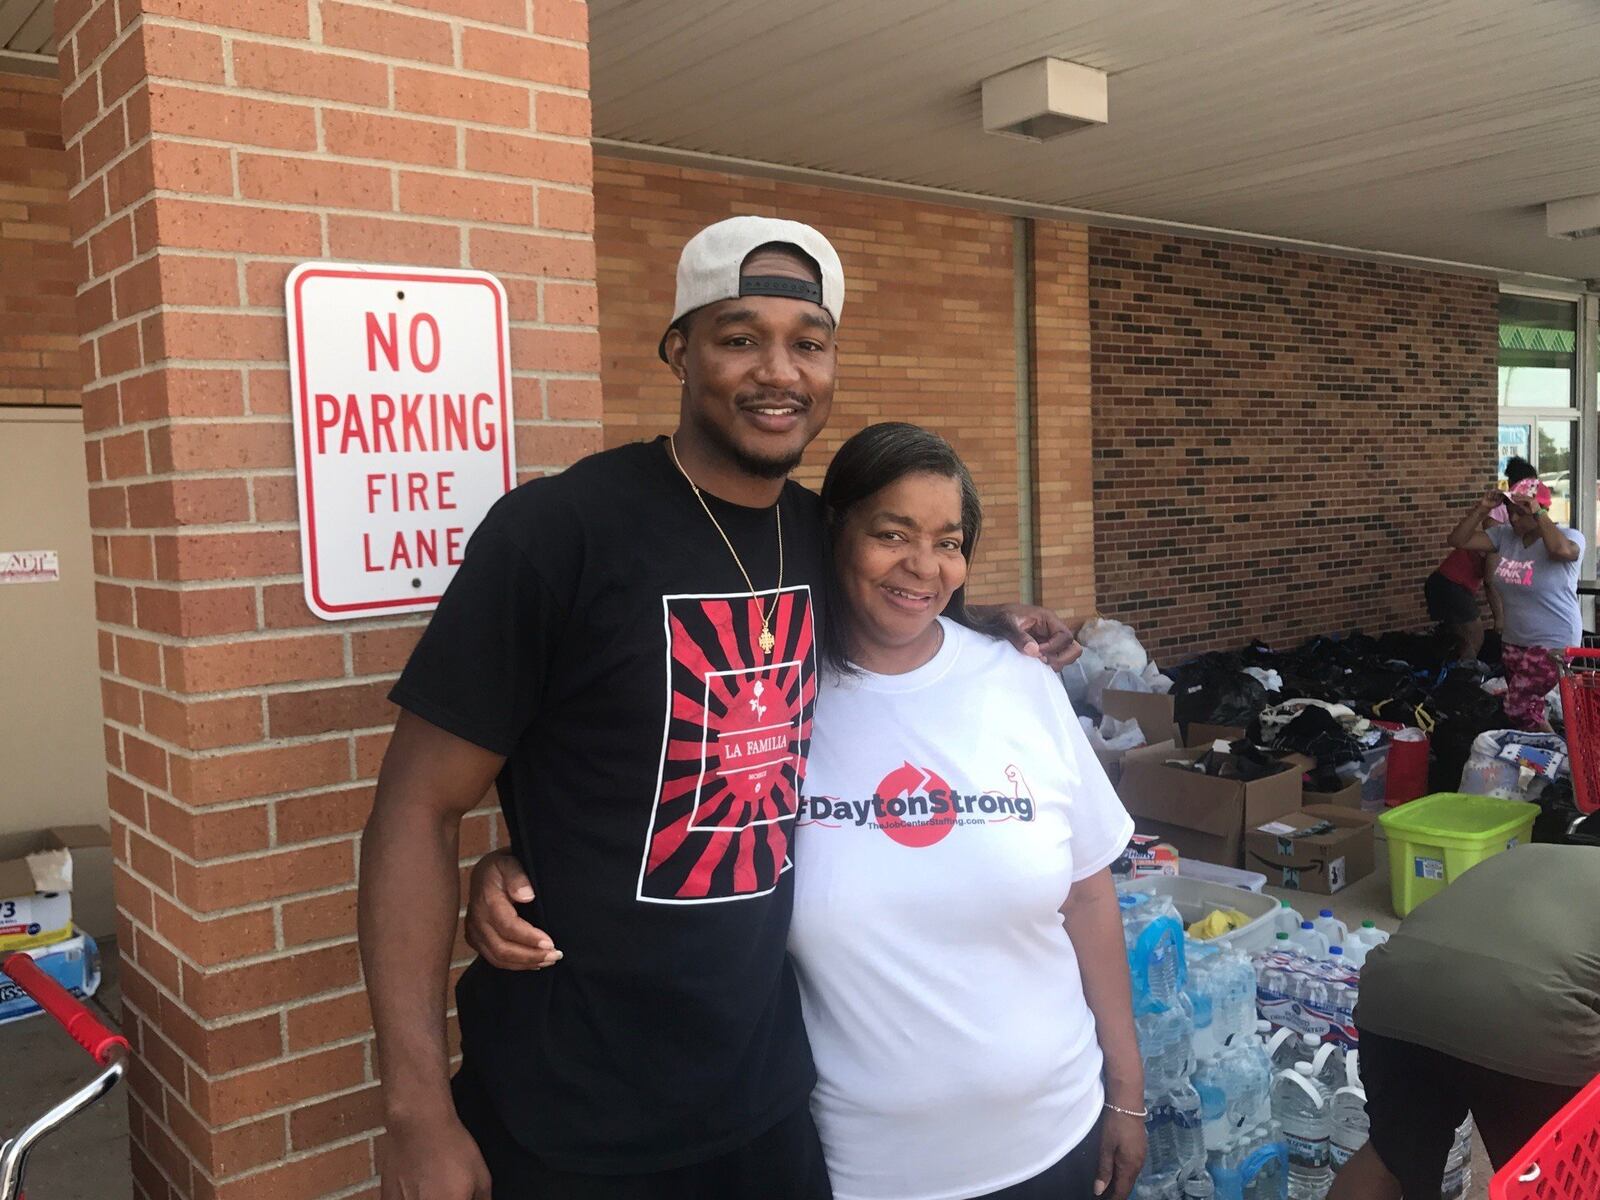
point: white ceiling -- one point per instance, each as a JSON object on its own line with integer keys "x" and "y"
{"x": 27, "y": 27}
{"x": 1434, "y": 128}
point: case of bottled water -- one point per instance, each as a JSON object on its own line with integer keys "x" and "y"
{"x": 1308, "y": 995}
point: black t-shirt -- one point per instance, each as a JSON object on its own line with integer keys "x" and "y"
{"x": 599, "y": 635}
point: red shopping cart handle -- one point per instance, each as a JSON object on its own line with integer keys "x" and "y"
{"x": 81, "y": 1025}
{"x": 1584, "y": 652}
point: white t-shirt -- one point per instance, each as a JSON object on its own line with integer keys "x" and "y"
{"x": 947, "y": 812}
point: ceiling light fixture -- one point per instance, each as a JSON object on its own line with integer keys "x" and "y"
{"x": 1044, "y": 99}
{"x": 1575, "y": 217}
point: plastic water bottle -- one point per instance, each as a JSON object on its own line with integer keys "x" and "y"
{"x": 1311, "y": 941}
{"x": 1303, "y": 1112}
{"x": 1204, "y": 997}
{"x": 1165, "y": 1037}
{"x": 1362, "y": 942}
{"x": 1239, "y": 993}
{"x": 1211, "y": 1084}
{"x": 1160, "y": 1156}
{"x": 1330, "y": 927}
{"x": 1222, "y": 990}
{"x": 1315, "y": 994}
{"x": 1305, "y": 1050}
{"x": 1282, "y": 1048}
{"x": 1153, "y": 934}
{"x": 1349, "y": 1124}
{"x": 1458, "y": 1167}
{"x": 1327, "y": 1068}
{"x": 1266, "y": 1166}
{"x": 1345, "y": 998}
{"x": 1255, "y": 1075}
{"x": 1154, "y": 1186}
{"x": 1188, "y": 1137}
{"x": 1285, "y": 919}
{"x": 1198, "y": 1186}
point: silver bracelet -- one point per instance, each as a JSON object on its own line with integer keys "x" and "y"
{"x": 1142, "y": 1114}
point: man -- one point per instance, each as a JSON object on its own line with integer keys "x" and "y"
{"x": 1487, "y": 1000}
{"x": 629, "y": 652}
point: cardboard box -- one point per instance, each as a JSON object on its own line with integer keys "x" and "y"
{"x": 1204, "y": 817}
{"x": 29, "y": 917}
{"x": 1349, "y": 796}
{"x": 1324, "y": 862}
{"x": 1155, "y": 714}
{"x": 1201, "y": 734}
{"x": 1111, "y": 760}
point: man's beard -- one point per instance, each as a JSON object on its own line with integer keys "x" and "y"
{"x": 747, "y": 463}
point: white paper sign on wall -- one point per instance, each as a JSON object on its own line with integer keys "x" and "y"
{"x": 29, "y": 566}
{"x": 401, "y": 394}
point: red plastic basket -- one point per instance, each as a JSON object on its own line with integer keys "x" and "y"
{"x": 1562, "y": 1161}
{"x": 1580, "y": 706}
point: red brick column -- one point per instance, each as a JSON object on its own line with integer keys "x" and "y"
{"x": 213, "y": 144}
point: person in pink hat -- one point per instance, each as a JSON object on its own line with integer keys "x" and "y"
{"x": 1534, "y": 569}
{"x": 1452, "y": 591}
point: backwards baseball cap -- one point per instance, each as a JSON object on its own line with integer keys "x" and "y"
{"x": 711, "y": 265}
{"x": 1535, "y": 488}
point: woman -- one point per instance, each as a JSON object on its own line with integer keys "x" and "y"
{"x": 1451, "y": 592}
{"x": 956, "y": 929}
{"x": 1535, "y": 572}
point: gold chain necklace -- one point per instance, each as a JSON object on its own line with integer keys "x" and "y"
{"x": 766, "y": 641}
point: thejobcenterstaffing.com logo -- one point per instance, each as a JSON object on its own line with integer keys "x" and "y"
{"x": 917, "y": 808}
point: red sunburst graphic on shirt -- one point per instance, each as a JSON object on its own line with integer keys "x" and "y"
{"x": 737, "y": 734}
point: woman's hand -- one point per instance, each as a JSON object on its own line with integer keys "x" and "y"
{"x": 1528, "y": 503}
{"x": 1122, "y": 1148}
{"x": 1492, "y": 499}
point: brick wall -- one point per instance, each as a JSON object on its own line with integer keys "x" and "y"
{"x": 927, "y": 334}
{"x": 212, "y": 144}
{"x": 1280, "y": 439}
{"x": 38, "y": 324}
{"x": 1063, "y": 471}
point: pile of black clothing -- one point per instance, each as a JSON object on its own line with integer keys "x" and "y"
{"x": 1244, "y": 761}
{"x": 1407, "y": 678}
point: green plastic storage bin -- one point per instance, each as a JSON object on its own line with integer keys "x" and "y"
{"x": 1432, "y": 840}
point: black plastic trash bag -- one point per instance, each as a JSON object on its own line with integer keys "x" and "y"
{"x": 1214, "y": 690}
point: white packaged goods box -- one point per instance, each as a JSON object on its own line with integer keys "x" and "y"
{"x": 52, "y": 880}
{"x": 74, "y": 964}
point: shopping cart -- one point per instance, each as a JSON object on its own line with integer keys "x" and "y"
{"x": 109, "y": 1050}
{"x": 1580, "y": 707}
{"x": 1562, "y": 1161}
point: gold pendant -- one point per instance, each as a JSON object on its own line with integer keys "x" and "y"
{"x": 766, "y": 641}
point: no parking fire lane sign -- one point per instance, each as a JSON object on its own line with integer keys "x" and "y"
{"x": 401, "y": 395}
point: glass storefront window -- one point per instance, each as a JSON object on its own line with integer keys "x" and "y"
{"x": 1514, "y": 443}
{"x": 1538, "y": 344}
{"x": 1554, "y": 464}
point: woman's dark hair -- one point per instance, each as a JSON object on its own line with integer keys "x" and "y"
{"x": 1518, "y": 469}
{"x": 866, "y": 464}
